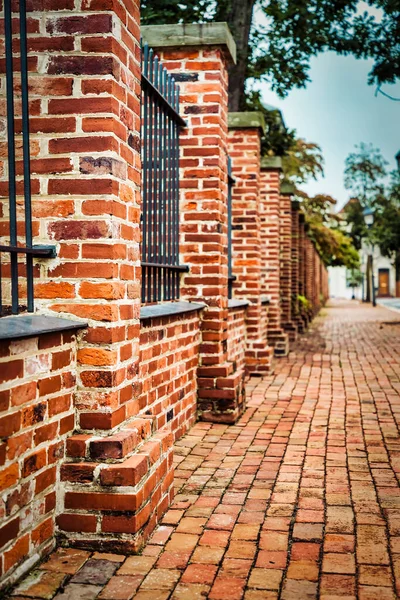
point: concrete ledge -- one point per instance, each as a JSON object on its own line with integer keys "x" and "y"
{"x": 265, "y": 300}
{"x": 192, "y": 34}
{"x": 169, "y": 309}
{"x": 287, "y": 188}
{"x": 247, "y": 120}
{"x": 295, "y": 205}
{"x": 233, "y": 304}
{"x": 12, "y": 328}
{"x": 272, "y": 163}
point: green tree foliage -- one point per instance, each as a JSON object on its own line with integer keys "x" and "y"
{"x": 365, "y": 175}
{"x": 334, "y": 246}
{"x": 303, "y": 161}
{"x": 364, "y": 172}
{"x": 353, "y": 214}
{"x": 277, "y": 46}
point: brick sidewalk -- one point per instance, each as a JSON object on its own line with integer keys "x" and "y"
{"x": 299, "y": 500}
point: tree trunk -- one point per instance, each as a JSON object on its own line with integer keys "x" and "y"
{"x": 239, "y": 17}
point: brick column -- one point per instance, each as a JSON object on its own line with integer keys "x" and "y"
{"x": 296, "y": 317}
{"x": 309, "y": 275}
{"x": 245, "y": 130}
{"x": 288, "y": 320}
{"x": 88, "y": 173}
{"x": 86, "y": 181}
{"x": 198, "y": 56}
{"x": 271, "y": 168}
{"x": 303, "y": 320}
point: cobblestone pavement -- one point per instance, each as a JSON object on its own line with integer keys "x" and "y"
{"x": 299, "y": 500}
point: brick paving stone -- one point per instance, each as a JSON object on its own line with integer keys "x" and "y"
{"x": 66, "y": 560}
{"x": 40, "y": 584}
{"x": 121, "y": 587}
{"x": 95, "y": 572}
{"x": 297, "y": 501}
{"x": 73, "y": 591}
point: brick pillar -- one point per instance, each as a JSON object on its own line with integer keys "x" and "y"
{"x": 288, "y": 320}
{"x": 296, "y": 317}
{"x": 88, "y": 169}
{"x": 271, "y": 168}
{"x": 303, "y": 316}
{"x": 245, "y": 130}
{"x": 199, "y": 56}
{"x": 86, "y": 144}
{"x": 309, "y": 277}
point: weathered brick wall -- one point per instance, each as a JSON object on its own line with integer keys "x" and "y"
{"x": 244, "y": 149}
{"x": 303, "y": 313}
{"x": 37, "y": 384}
{"x": 86, "y": 200}
{"x": 296, "y": 317}
{"x": 270, "y": 257}
{"x": 237, "y": 337}
{"x": 201, "y": 71}
{"x": 286, "y": 242}
{"x": 169, "y": 356}
{"x": 85, "y": 177}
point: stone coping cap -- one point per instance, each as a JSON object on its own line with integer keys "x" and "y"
{"x": 247, "y": 120}
{"x": 167, "y": 309}
{"x": 287, "y": 188}
{"x": 295, "y": 205}
{"x": 24, "y": 326}
{"x": 272, "y": 163}
{"x": 190, "y": 34}
{"x": 234, "y": 304}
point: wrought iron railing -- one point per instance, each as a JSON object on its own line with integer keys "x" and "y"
{"x": 231, "y": 183}
{"x": 161, "y": 123}
{"x": 12, "y": 271}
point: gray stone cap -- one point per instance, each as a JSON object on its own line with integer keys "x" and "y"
{"x": 234, "y": 304}
{"x": 190, "y": 34}
{"x": 247, "y": 120}
{"x": 24, "y": 326}
{"x": 295, "y": 205}
{"x": 168, "y": 309}
{"x": 287, "y": 188}
{"x": 273, "y": 163}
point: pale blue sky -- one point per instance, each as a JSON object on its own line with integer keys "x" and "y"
{"x": 338, "y": 110}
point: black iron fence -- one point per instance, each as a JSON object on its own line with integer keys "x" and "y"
{"x": 16, "y": 278}
{"x": 231, "y": 183}
{"x": 161, "y": 123}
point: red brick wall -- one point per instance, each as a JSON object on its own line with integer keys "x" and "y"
{"x": 270, "y": 263}
{"x": 169, "y": 356}
{"x": 237, "y": 337}
{"x": 203, "y": 78}
{"x": 286, "y": 243}
{"x": 86, "y": 194}
{"x": 86, "y": 200}
{"x": 37, "y": 383}
{"x": 244, "y": 149}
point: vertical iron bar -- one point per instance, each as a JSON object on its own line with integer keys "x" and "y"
{"x": 144, "y": 115}
{"x": 26, "y": 151}
{"x": 160, "y": 204}
{"x": 177, "y": 199}
{"x": 11, "y": 154}
{"x": 150, "y": 208}
{"x": 229, "y": 227}
{"x": 168, "y": 179}
{"x": 156, "y": 133}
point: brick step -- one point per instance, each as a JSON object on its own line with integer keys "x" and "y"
{"x": 128, "y": 497}
{"x": 113, "y": 447}
{"x": 128, "y": 472}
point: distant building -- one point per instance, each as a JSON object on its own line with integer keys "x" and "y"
{"x": 384, "y": 274}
